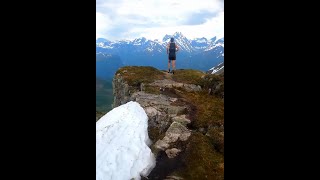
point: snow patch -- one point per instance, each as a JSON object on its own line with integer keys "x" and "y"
{"x": 200, "y": 40}
{"x": 108, "y": 47}
{"x": 216, "y": 70}
{"x": 122, "y": 141}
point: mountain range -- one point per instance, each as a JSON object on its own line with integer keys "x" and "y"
{"x": 198, "y": 53}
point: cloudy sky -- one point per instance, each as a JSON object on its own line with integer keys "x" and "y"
{"x": 130, "y": 19}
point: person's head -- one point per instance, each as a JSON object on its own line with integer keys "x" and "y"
{"x": 171, "y": 39}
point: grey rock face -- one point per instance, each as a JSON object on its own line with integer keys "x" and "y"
{"x": 175, "y": 132}
{"x": 120, "y": 91}
{"x": 167, "y": 83}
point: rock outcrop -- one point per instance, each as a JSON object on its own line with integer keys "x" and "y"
{"x": 177, "y": 106}
{"x": 175, "y": 132}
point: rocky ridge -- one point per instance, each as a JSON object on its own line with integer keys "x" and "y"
{"x": 179, "y": 107}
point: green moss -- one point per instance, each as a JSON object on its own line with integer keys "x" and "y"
{"x": 208, "y": 110}
{"x": 135, "y": 75}
{"x": 188, "y": 76}
{"x": 152, "y": 89}
{"x": 201, "y": 160}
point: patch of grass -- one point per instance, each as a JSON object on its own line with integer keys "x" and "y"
{"x": 201, "y": 160}
{"x": 215, "y": 83}
{"x": 170, "y": 92}
{"x": 188, "y": 76}
{"x": 208, "y": 109}
{"x": 211, "y": 79}
{"x": 217, "y": 138}
{"x": 135, "y": 75}
{"x": 179, "y": 102}
{"x": 152, "y": 89}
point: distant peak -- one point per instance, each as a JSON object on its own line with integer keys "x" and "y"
{"x": 178, "y": 34}
{"x": 175, "y": 35}
{"x": 141, "y": 38}
{"x": 101, "y": 40}
{"x": 203, "y": 38}
{"x": 214, "y": 38}
{"x": 221, "y": 40}
{"x": 166, "y": 38}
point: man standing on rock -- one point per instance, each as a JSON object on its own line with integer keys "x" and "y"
{"x": 172, "y": 48}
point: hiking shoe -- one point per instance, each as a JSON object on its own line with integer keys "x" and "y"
{"x": 169, "y": 71}
{"x": 172, "y": 71}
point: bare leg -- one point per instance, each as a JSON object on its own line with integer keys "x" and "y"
{"x": 168, "y": 65}
{"x": 174, "y": 65}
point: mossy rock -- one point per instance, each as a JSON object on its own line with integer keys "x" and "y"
{"x": 152, "y": 89}
{"x": 135, "y": 75}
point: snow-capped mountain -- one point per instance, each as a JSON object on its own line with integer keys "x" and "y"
{"x": 215, "y": 44}
{"x": 198, "y": 53}
{"x": 219, "y": 69}
{"x": 200, "y": 43}
{"x": 143, "y": 44}
{"x": 101, "y": 40}
{"x": 183, "y": 43}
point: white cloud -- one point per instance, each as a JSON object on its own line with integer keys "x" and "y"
{"x": 212, "y": 27}
{"x": 102, "y": 24}
{"x": 124, "y": 19}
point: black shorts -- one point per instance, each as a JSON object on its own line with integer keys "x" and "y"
{"x": 172, "y": 58}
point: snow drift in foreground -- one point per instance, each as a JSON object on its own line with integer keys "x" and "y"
{"x": 122, "y": 141}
